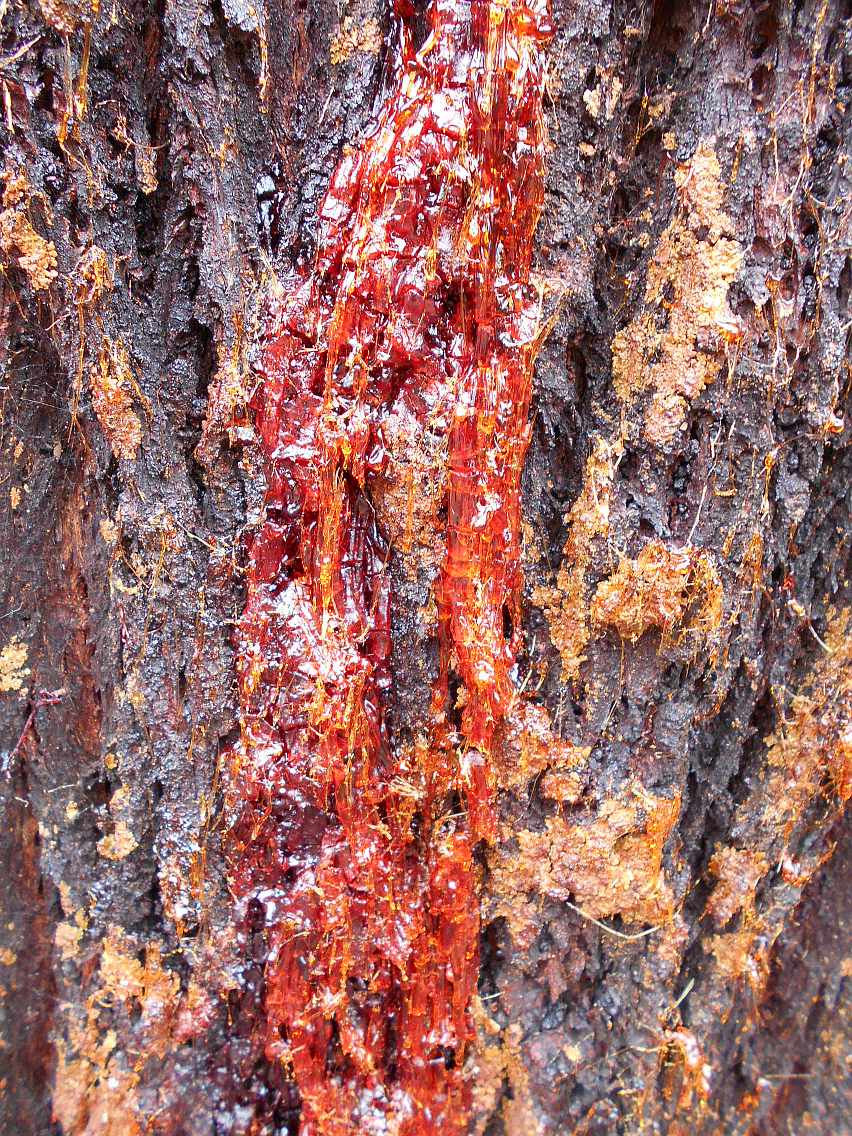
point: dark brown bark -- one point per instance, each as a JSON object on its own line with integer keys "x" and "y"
{"x": 159, "y": 162}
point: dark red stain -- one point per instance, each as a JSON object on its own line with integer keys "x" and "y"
{"x": 352, "y": 854}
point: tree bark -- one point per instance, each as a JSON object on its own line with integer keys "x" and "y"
{"x": 664, "y": 905}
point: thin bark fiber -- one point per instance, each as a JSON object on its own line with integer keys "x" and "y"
{"x": 660, "y": 870}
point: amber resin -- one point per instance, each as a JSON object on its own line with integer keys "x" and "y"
{"x": 352, "y": 854}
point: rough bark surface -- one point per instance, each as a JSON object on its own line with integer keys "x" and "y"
{"x": 665, "y": 910}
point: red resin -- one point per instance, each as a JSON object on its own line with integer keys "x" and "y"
{"x": 345, "y": 850}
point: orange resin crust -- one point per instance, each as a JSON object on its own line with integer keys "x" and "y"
{"x": 350, "y": 854}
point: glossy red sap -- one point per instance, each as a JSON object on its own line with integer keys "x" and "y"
{"x": 347, "y": 844}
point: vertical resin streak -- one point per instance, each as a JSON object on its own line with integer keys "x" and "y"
{"x": 350, "y": 857}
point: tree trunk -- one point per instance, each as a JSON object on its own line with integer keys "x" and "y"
{"x": 650, "y": 907}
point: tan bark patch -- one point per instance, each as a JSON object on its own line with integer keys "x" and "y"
{"x": 118, "y": 844}
{"x": 809, "y": 754}
{"x": 13, "y": 666}
{"x": 19, "y": 242}
{"x": 566, "y": 605}
{"x": 813, "y": 745}
{"x": 528, "y": 749}
{"x": 610, "y": 862}
{"x": 671, "y": 589}
{"x": 496, "y": 1060}
{"x": 738, "y": 871}
{"x": 111, "y": 382}
{"x": 352, "y": 36}
{"x": 94, "y": 1092}
{"x": 145, "y": 158}
{"x": 739, "y": 954}
{"x": 672, "y": 348}
{"x": 67, "y": 939}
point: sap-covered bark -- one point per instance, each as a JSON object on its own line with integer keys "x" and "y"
{"x": 663, "y": 914}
